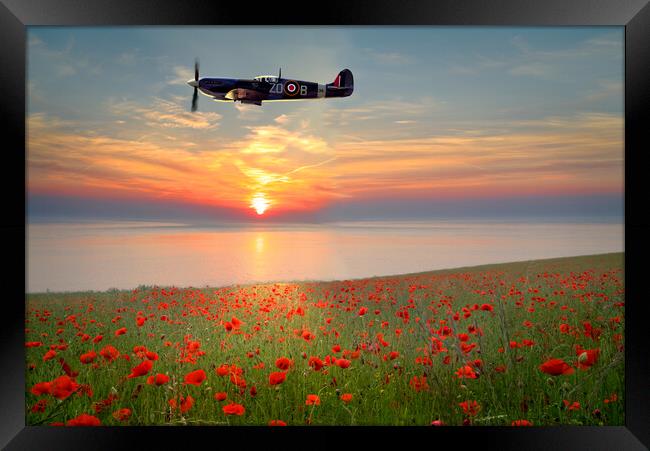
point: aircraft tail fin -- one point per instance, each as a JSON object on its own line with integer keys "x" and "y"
{"x": 344, "y": 79}
{"x": 342, "y": 86}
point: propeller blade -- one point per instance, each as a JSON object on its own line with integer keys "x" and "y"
{"x": 195, "y": 100}
{"x": 280, "y": 74}
{"x": 196, "y": 69}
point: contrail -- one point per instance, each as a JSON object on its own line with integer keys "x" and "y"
{"x": 310, "y": 166}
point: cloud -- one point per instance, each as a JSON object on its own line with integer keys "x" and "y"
{"x": 274, "y": 139}
{"x": 64, "y": 61}
{"x": 286, "y": 165}
{"x": 282, "y": 119}
{"x": 550, "y": 155}
{"x": 539, "y": 62}
{"x": 388, "y": 57}
{"x": 164, "y": 113}
{"x": 297, "y": 169}
{"x": 180, "y": 76}
{"x": 127, "y": 58}
{"x": 382, "y": 110}
{"x": 605, "y": 89}
{"x": 532, "y": 69}
{"x": 248, "y": 112}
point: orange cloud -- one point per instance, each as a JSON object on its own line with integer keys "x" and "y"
{"x": 280, "y": 164}
{"x": 293, "y": 169}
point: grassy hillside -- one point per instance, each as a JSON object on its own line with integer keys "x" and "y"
{"x": 540, "y": 341}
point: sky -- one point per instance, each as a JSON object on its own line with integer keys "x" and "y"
{"x": 444, "y": 122}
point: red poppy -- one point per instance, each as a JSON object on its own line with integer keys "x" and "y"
{"x": 283, "y": 363}
{"x": 363, "y": 311}
{"x": 49, "y": 355}
{"x": 419, "y": 383}
{"x": 612, "y": 398}
{"x": 590, "y": 331}
{"x": 346, "y": 397}
{"x": 470, "y": 408}
{"x": 220, "y": 396}
{"x": 40, "y": 406}
{"x": 158, "y": 379}
{"x": 466, "y": 372}
{"x": 84, "y": 420}
{"x": 343, "y": 363}
{"x": 571, "y": 405}
{"x": 223, "y": 370}
{"x": 42, "y": 388}
{"x": 122, "y": 414}
{"x": 312, "y": 400}
{"x": 101, "y": 405}
{"x": 521, "y": 423}
{"x": 186, "y": 403}
{"x": 238, "y": 380}
{"x": 109, "y": 353}
{"x": 236, "y": 322}
{"x": 195, "y": 377}
{"x": 141, "y": 369}
{"x": 62, "y": 387}
{"x": 88, "y": 357}
{"x": 556, "y": 367}
{"x": 121, "y": 331}
{"x": 277, "y": 378}
{"x": 587, "y": 357}
{"x": 66, "y": 368}
{"x": 277, "y": 423}
{"x": 234, "y": 409}
{"x": 316, "y": 363}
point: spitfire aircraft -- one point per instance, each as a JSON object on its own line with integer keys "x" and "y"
{"x": 268, "y": 88}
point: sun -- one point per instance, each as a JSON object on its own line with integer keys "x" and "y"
{"x": 260, "y": 204}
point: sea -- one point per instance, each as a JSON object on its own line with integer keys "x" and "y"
{"x": 83, "y": 256}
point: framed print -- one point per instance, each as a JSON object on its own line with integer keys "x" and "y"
{"x": 376, "y": 221}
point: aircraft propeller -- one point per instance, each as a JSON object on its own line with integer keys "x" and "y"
{"x": 195, "y": 96}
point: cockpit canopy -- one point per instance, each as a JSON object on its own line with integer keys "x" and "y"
{"x": 267, "y": 78}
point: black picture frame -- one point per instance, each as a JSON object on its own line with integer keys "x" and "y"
{"x": 15, "y": 15}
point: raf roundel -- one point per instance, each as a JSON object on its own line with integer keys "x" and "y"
{"x": 291, "y": 88}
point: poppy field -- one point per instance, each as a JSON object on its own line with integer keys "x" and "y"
{"x": 520, "y": 344}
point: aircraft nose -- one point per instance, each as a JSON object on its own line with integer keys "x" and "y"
{"x": 193, "y": 83}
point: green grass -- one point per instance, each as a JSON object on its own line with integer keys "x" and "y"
{"x": 561, "y": 291}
